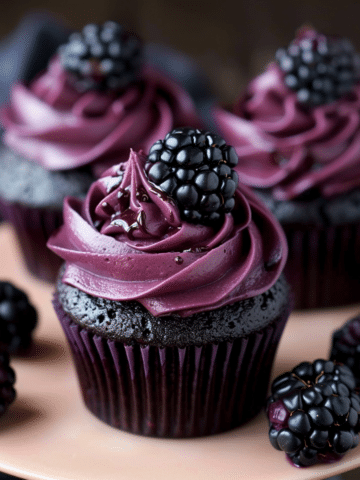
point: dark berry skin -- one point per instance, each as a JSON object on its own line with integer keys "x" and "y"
{"x": 345, "y": 346}
{"x": 314, "y": 412}
{"x": 102, "y": 57}
{"x": 7, "y": 380}
{"x": 18, "y": 318}
{"x": 195, "y": 168}
{"x": 320, "y": 69}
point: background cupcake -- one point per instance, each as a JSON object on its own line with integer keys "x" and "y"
{"x": 173, "y": 307}
{"x": 298, "y": 141}
{"x": 93, "y": 102}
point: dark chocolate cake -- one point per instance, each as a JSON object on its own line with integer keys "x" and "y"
{"x": 318, "y": 211}
{"x": 34, "y": 186}
{"x": 131, "y": 323}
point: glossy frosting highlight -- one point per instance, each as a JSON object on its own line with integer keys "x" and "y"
{"x": 290, "y": 148}
{"x": 128, "y": 242}
{"x": 60, "y": 128}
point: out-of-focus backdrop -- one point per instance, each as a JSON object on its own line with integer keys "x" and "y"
{"x": 231, "y": 40}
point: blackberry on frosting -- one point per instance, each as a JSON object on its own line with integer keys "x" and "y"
{"x": 102, "y": 57}
{"x": 319, "y": 68}
{"x": 195, "y": 168}
{"x": 313, "y": 412}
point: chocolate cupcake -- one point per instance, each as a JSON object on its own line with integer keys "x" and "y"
{"x": 95, "y": 100}
{"x": 173, "y": 307}
{"x": 297, "y": 133}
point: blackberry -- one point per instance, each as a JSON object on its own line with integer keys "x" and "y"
{"x": 195, "y": 168}
{"x": 102, "y": 57}
{"x": 314, "y": 412}
{"x": 319, "y": 68}
{"x": 345, "y": 346}
{"x": 18, "y": 318}
{"x": 7, "y": 380}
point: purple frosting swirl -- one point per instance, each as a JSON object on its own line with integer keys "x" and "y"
{"x": 289, "y": 148}
{"x": 126, "y": 241}
{"x": 54, "y": 125}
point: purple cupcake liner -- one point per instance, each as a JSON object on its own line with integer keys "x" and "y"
{"x": 33, "y": 227}
{"x": 323, "y": 266}
{"x": 173, "y": 392}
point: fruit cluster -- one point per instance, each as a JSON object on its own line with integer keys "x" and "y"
{"x": 18, "y": 318}
{"x": 346, "y": 346}
{"x": 195, "y": 168}
{"x": 102, "y": 57}
{"x": 320, "y": 69}
{"x": 7, "y": 380}
{"x": 314, "y": 412}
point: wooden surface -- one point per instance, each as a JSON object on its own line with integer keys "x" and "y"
{"x": 48, "y": 434}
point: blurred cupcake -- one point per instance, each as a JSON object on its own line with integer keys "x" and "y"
{"x": 172, "y": 302}
{"x": 297, "y": 133}
{"x": 95, "y": 100}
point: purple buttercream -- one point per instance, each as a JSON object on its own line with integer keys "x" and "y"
{"x": 60, "y": 128}
{"x": 290, "y": 148}
{"x": 126, "y": 241}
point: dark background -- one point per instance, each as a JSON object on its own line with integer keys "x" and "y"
{"x": 230, "y": 40}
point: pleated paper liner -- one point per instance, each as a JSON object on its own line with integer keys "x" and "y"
{"x": 173, "y": 392}
{"x": 33, "y": 227}
{"x": 323, "y": 266}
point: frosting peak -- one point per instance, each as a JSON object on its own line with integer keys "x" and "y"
{"x": 128, "y": 242}
{"x": 129, "y": 208}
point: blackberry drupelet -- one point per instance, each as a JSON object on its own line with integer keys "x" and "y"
{"x": 7, "y": 380}
{"x": 102, "y": 57}
{"x": 346, "y": 346}
{"x": 195, "y": 169}
{"x": 18, "y": 318}
{"x": 314, "y": 413}
{"x": 319, "y": 68}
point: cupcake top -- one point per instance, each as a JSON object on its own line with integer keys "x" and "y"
{"x": 130, "y": 240}
{"x": 94, "y": 102}
{"x": 304, "y": 120}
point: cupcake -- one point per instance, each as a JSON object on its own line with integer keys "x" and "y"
{"x": 171, "y": 295}
{"x": 297, "y": 133}
{"x": 27, "y": 50}
{"x": 95, "y": 100}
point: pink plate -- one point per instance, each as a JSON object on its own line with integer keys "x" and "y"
{"x": 48, "y": 434}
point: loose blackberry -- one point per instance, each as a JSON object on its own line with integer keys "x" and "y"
{"x": 18, "y": 318}
{"x": 314, "y": 413}
{"x": 7, "y": 380}
{"x": 102, "y": 57}
{"x": 195, "y": 168}
{"x": 319, "y": 68}
{"x": 346, "y": 346}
